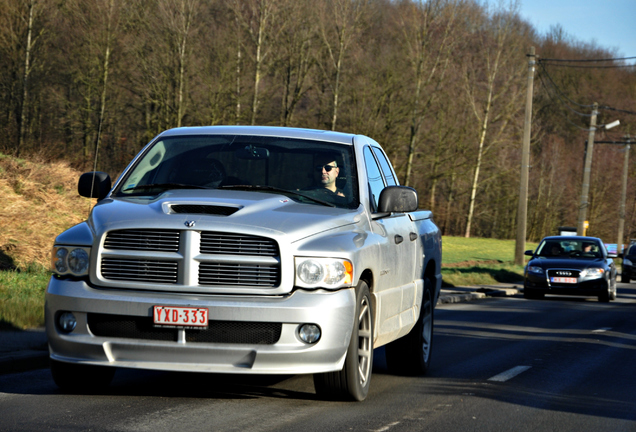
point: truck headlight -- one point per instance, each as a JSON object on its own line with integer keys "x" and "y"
{"x": 70, "y": 260}
{"x": 323, "y": 272}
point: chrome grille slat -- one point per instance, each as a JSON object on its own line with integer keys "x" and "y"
{"x": 140, "y": 270}
{"x": 151, "y": 240}
{"x": 238, "y": 274}
{"x": 237, "y": 244}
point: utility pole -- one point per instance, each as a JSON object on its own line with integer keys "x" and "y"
{"x": 587, "y": 170}
{"x": 621, "y": 211}
{"x": 522, "y": 209}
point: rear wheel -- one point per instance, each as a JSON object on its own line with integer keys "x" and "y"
{"x": 79, "y": 378}
{"x": 411, "y": 354}
{"x": 352, "y": 382}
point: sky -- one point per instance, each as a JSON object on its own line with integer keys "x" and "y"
{"x": 609, "y": 23}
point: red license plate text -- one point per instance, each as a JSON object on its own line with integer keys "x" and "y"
{"x": 563, "y": 280}
{"x": 177, "y": 316}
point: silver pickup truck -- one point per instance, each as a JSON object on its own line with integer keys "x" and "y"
{"x": 246, "y": 250}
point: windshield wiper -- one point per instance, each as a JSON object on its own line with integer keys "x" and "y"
{"x": 279, "y": 190}
{"x": 163, "y": 186}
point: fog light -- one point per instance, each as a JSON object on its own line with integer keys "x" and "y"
{"x": 309, "y": 333}
{"x": 67, "y": 322}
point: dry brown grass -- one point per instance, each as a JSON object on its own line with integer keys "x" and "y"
{"x": 39, "y": 201}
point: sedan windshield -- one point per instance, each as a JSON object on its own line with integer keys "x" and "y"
{"x": 300, "y": 169}
{"x": 569, "y": 249}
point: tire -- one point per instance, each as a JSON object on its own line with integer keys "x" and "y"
{"x": 352, "y": 382}
{"x": 625, "y": 278}
{"x": 612, "y": 295}
{"x": 604, "y": 296}
{"x": 411, "y": 354}
{"x": 78, "y": 378}
{"x": 532, "y": 295}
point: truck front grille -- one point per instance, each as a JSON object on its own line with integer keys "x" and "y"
{"x": 231, "y": 332}
{"x": 187, "y": 258}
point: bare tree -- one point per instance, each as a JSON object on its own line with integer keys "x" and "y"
{"x": 428, "y": 58}
{"x": 257, "y": 19}
{"x": 340, "y": 22}
{"x": 486, "y": 85}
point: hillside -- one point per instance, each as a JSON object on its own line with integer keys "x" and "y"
{"x": 39, "y": 201}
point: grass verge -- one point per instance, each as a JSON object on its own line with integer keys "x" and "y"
{"x": 22, "y": 298}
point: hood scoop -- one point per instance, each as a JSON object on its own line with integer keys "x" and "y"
{"x": 204, "y": 209}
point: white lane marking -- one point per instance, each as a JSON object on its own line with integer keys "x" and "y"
{"x": 511, "y": 373}
{"x": 387, "y": 427}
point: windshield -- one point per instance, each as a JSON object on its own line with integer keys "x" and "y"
{"x": 313, "y": 172}
{"x": 568, "y": 248}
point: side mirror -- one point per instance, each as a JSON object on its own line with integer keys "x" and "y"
{"x": 529, "y": 253}
{"x": 398, "y": 199}
{"x": 94, "y": 184}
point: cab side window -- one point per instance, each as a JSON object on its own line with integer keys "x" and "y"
{"x": 386, "y": 167}
{"x": 376, "y": 183}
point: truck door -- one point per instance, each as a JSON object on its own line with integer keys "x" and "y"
{"x": 395, "y": 285}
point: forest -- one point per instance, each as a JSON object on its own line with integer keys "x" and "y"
{"x": 441, "y": 84}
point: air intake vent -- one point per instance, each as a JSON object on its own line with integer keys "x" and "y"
{"x": 238, "y": 274}
{"x": 237, "y": 244}
{"x": 140, "y": 270}
{"x": 204, "y": 209}
{"x": 149, "y": 240}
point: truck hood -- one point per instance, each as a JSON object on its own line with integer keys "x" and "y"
{"x": 256, "y": 213}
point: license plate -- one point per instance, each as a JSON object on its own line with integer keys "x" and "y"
{"x": 182, "y": 317}
{"x": 563, "y": 280}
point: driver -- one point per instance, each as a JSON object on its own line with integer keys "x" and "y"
{"x": 329, "y": 170}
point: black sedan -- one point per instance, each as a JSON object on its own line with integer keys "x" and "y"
{"x": 629, "y": 257}
{"x": 570, "y": 265}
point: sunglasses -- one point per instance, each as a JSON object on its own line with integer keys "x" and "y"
{"x": 327, "y": 168}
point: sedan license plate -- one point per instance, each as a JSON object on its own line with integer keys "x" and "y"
{"x": 181, "y": 317}
{"x": 570, "y": 280}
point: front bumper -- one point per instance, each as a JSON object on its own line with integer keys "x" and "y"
{"x": 332, "y": 311}
{"x": 541, "y": 284}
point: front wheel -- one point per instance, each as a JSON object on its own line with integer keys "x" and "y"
{"x": 78, "y": 378}
{"x": 352, "y": 382}
{"x": 411, "y": 354}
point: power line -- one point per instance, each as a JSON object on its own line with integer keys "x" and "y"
{"x": 564, "y": 117}
{"x": 591, "y": 67}
{"x": 562, "y": 95}
{"x": 584, "y": 60}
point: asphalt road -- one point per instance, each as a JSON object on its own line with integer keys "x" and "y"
{"x": 499, "y": 364}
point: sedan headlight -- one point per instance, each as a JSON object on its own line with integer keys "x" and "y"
{"x": 535, "y": 269}
{"x": 592, "y": 273}
{"x": 323, "y": 272}
{"x": 70, "y": 260}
